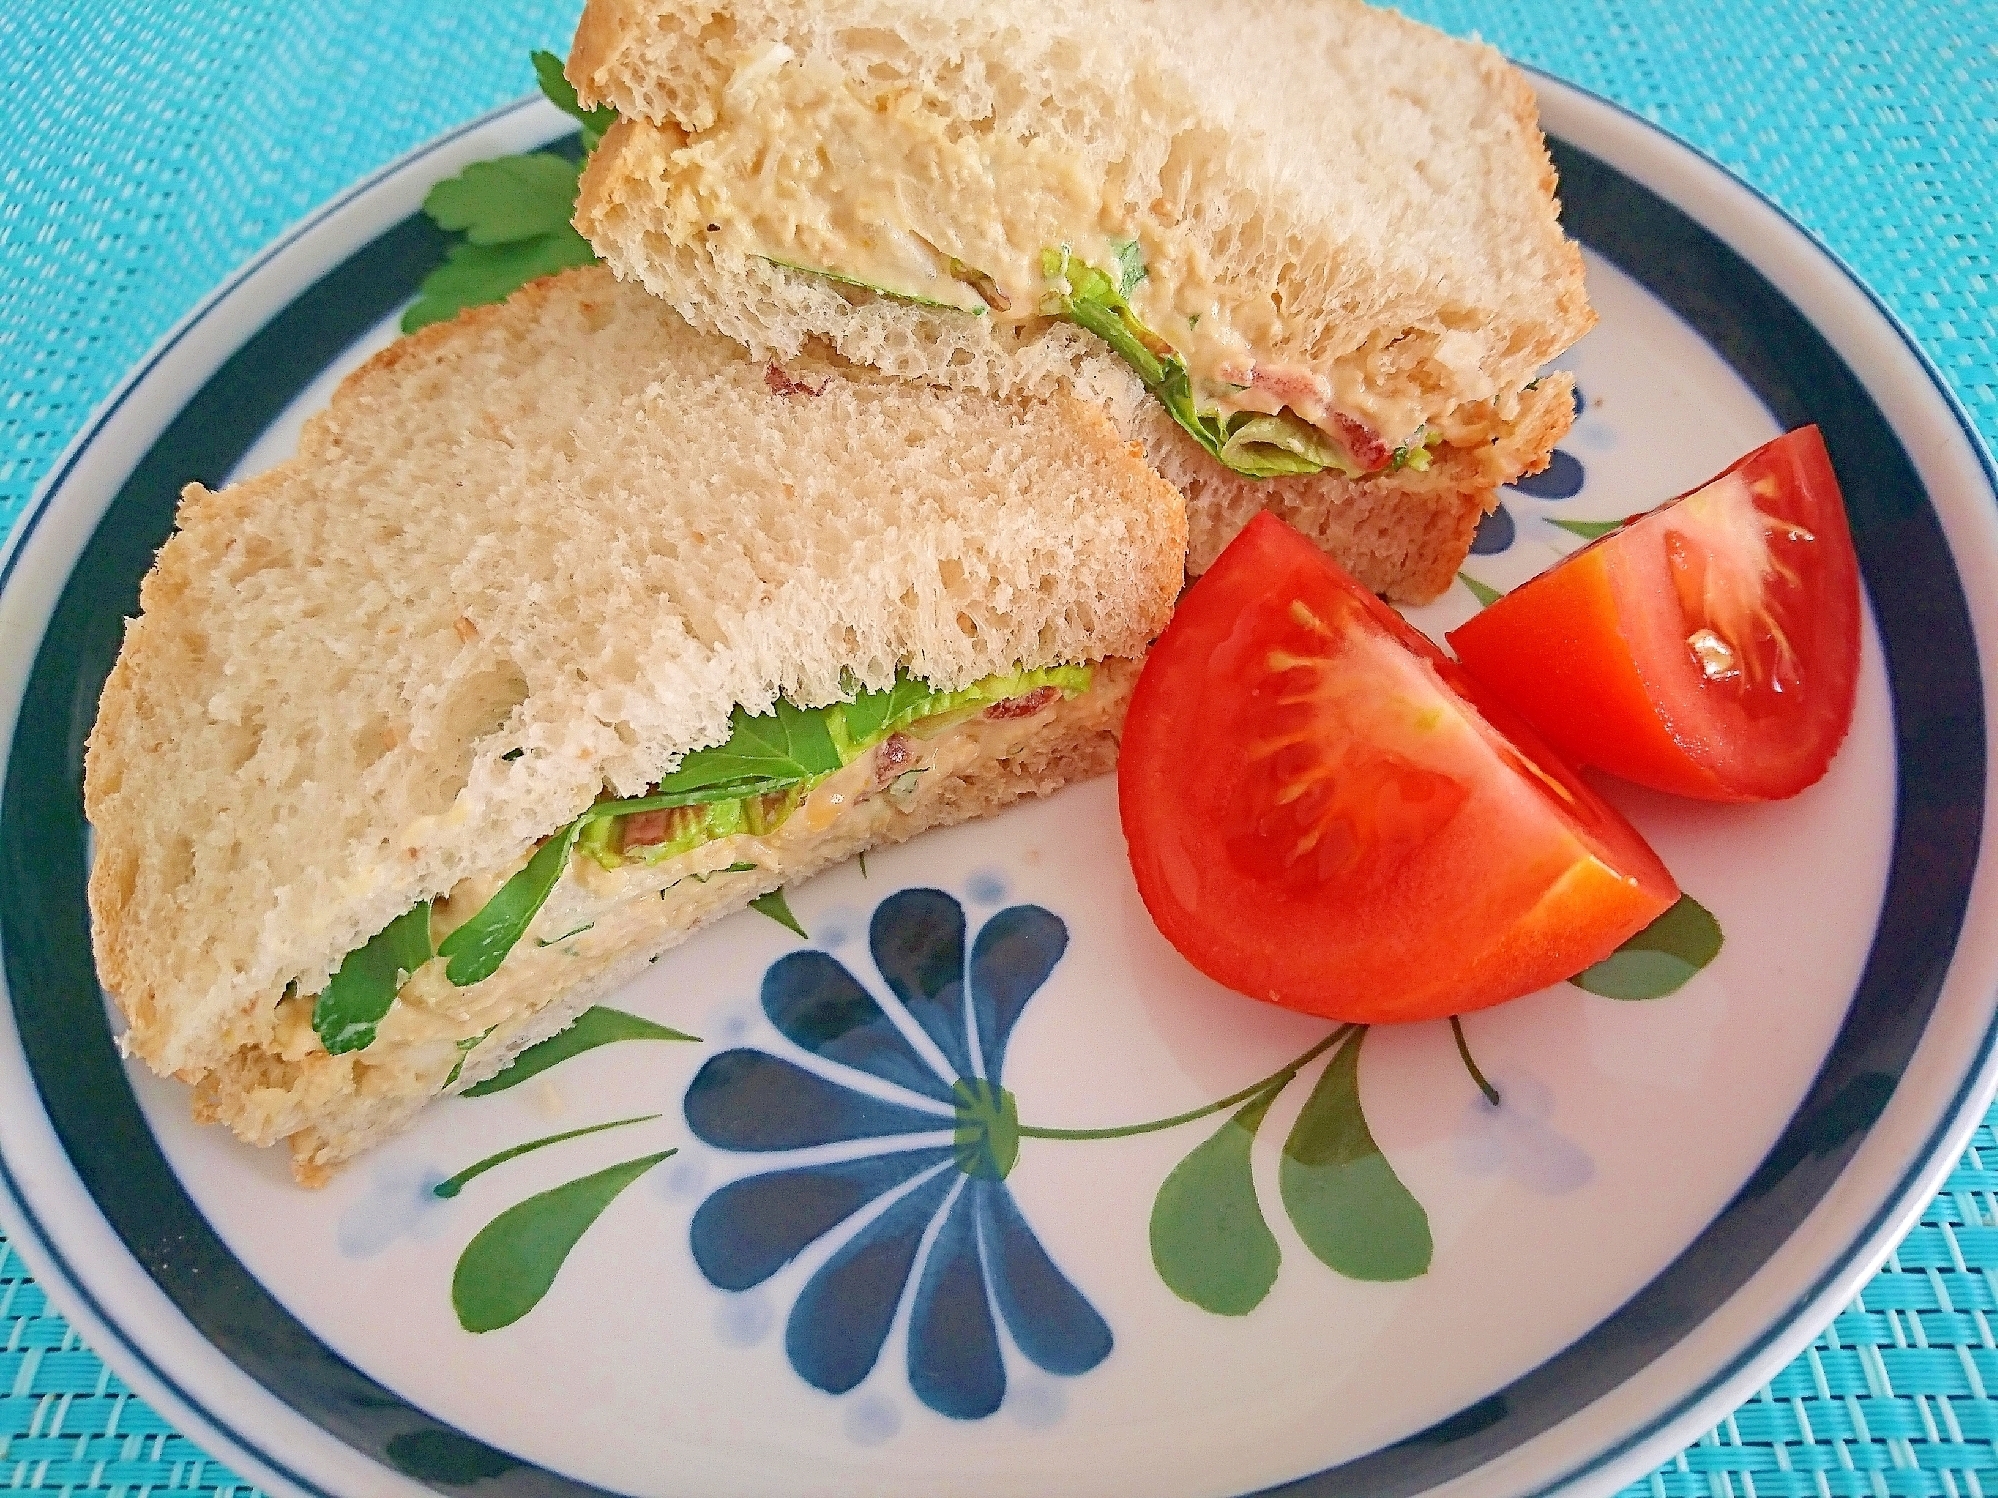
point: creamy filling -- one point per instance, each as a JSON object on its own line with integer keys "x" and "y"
{"x": 804, "y": 169}
{"x": 622, "y": 899}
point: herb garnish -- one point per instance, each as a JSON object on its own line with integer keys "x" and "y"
{"x": 514, "y": 214}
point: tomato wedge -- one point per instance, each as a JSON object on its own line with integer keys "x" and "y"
{"x": 1324, "y": 811}
{"x": 1710, "y": 647}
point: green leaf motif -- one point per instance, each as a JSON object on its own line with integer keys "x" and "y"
{"x": 512, "y": 1262}
{"x": 987, "y": 1136}
{"x": 555, "y": 86}
{"x": 354, "y": 1000}
{"x": 458, "y": 1182}
{"x": 786, "y": 745}
{"x": 1661, "y": 959}
{"x": 476, "y": 949}
{"x": 778, "y": 909}
{"x": 1588, "y": 530}
{"x": 1210, "y": 1243}
{"x": 1343, "y": 1197}
{"x": 507, "y": 200}
{"x": 595, "y": 1026}
{"x": 1486, "y": 596}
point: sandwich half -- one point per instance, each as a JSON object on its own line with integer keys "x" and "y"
{"x": 568, "y": 630}
{"x": 1325, "y": 237}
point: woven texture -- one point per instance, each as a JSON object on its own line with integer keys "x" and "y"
{"x": 150, "y": 147}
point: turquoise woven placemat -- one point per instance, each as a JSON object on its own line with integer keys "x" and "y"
{"x": 147, "y": 149}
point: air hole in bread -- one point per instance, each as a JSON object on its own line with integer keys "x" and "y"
{"x": 474, "y": 710}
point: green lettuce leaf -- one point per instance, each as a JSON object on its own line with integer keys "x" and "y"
{"x": 872, "y": 716}
{"x": 1265, "y": 446}
{"x": 750, "y": 782}
{"x": 1092, "y": 300}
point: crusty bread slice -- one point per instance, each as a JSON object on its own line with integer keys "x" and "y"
{"x": 1347, "y": 213}
{"x": 571, "y": 527}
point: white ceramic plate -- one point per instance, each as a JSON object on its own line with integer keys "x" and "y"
{"x": 846, "y": 1279}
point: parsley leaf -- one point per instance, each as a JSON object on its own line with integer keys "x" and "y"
{"x": 477, "y": 274}
{"x": 595, "y": 122}
{"x": 514, "y": 213}
{"x": 789, "y": 744}
{"x": 355, "y": 998}
{"x": 513, "y": 198}
{"x": 872, "y": 714}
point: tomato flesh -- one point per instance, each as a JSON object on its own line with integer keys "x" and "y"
{"x": 1708, "y": 648}
{"x": 1325, "y": 812}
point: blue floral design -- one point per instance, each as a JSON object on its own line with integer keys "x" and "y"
{"x": 949, "y": 1223}
{"x": 1562, "y": 478}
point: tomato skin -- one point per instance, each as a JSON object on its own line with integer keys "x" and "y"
{"x": 1325, "y": 812}
{"x": 1595, "y": 652}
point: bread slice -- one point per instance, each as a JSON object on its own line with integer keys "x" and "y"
{"x": 529, "y": 557}
{"x": 1342, "y": 217}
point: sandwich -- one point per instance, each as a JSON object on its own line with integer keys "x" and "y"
{"x": 568, "y": 630}
{"x": 1324, "y": 237}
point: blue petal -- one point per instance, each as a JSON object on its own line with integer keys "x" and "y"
{"x": 842, "y": 1318}
{"x": 954, "y": 1362}
{"x": 1014, "y": 953}
{"x": 917, "y": 937}
{"x": 750, "y": 1100}
{"x": 751, "y": 1228}
{"x": 1562, "y": 478}
{"x": 820, "y": 1006}
{"x": 1495, "y": 533}
{"x": 1052, "y": 1324}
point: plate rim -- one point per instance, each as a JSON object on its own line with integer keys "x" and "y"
{"x": 1783, "y": 1341}
{"x": 1778, "y": 1344}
